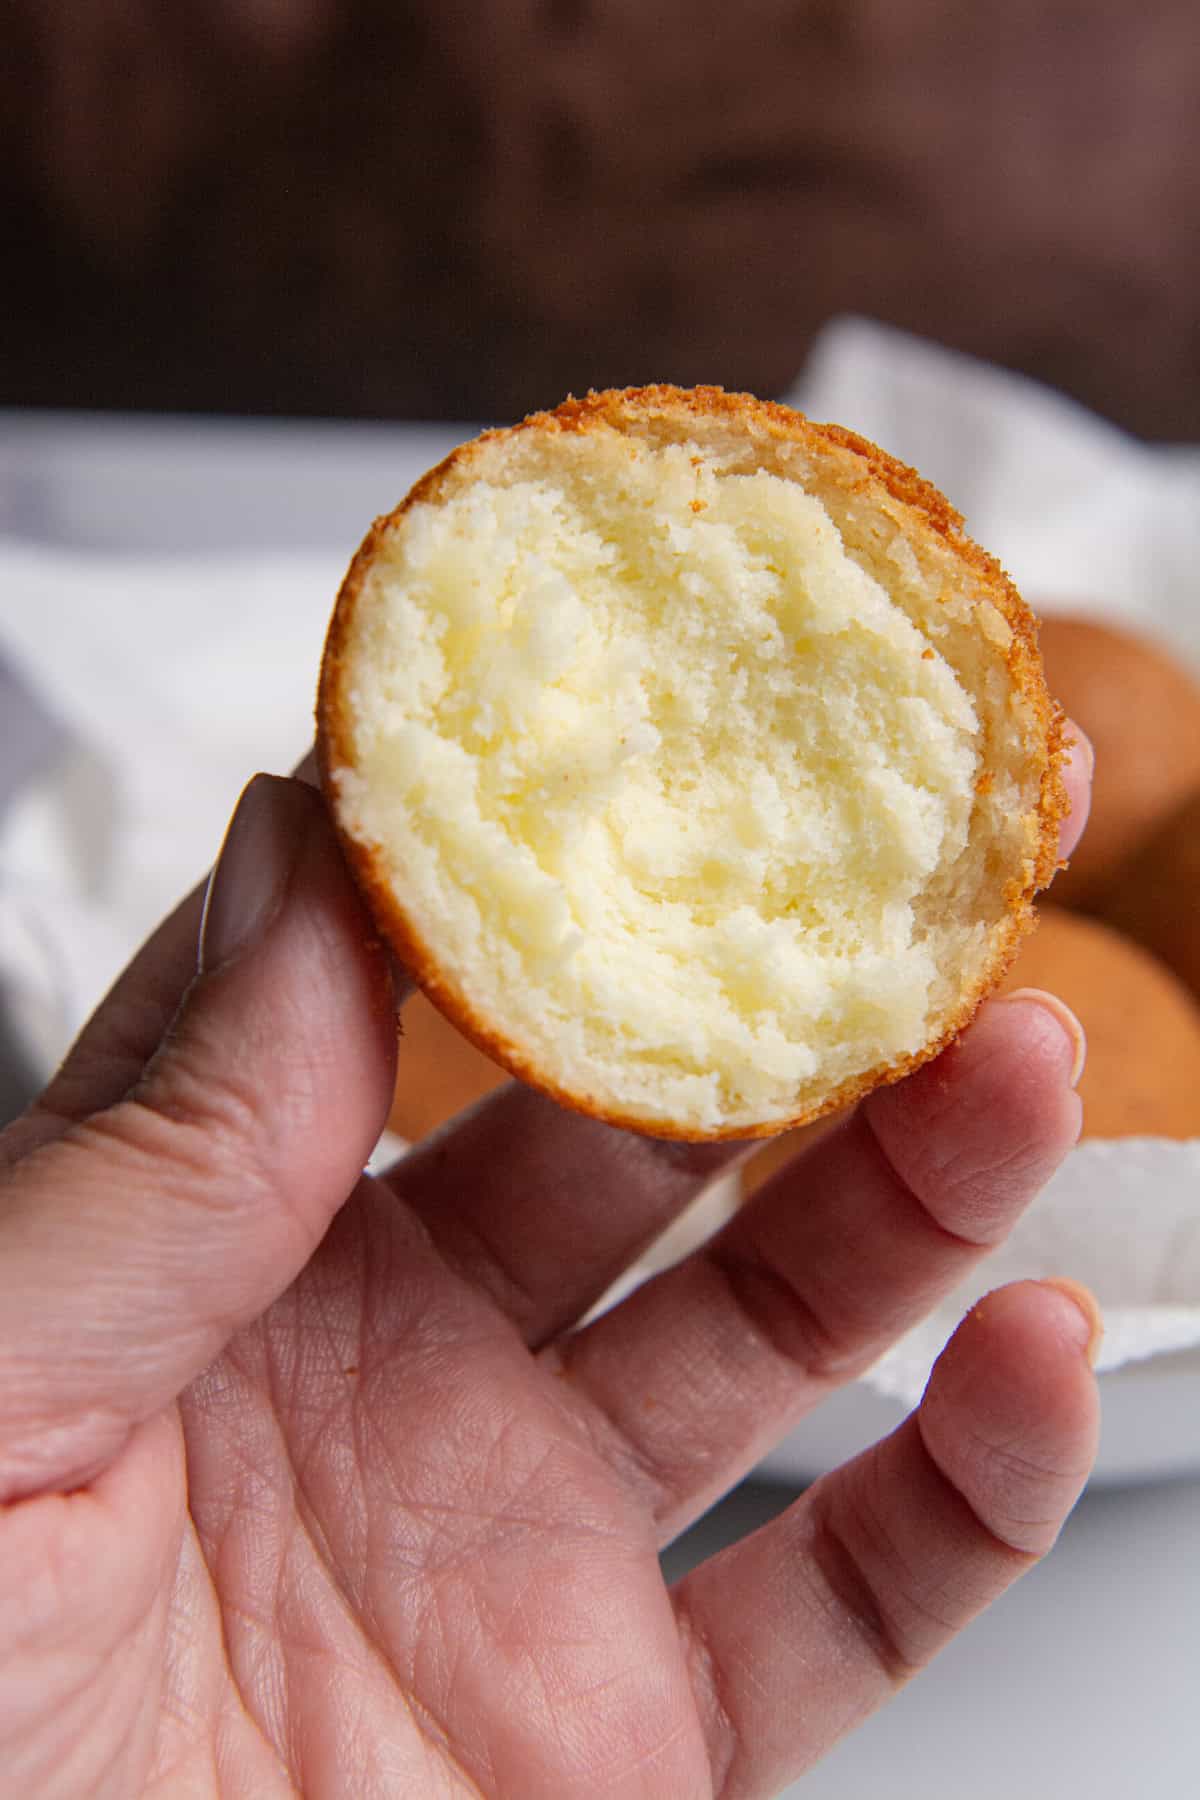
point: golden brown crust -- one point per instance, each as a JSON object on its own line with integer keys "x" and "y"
{"x": 859, "y": 464}
{"x": 1140, "y": 708}
{"x": 1152, "y": 898}
{"x": 1142, "y": 1076}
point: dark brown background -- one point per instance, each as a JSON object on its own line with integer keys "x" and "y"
{"x": 462, "y": 210}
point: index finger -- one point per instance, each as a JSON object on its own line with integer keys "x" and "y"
{"x": 1077, "y": 774}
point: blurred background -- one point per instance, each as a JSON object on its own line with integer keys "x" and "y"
{"x": 434, "y": 209}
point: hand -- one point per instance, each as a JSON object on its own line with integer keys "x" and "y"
{"x": 309, "y": 1484}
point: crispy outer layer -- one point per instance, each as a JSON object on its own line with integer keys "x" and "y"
{"x": 855, "y": 465}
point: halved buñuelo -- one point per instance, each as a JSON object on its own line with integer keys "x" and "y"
{"x": 693, "y": 759}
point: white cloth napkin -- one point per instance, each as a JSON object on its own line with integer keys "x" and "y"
{"x": 176, "y": 679}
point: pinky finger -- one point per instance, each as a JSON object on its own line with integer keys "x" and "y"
{"x": 799, "y": 1632}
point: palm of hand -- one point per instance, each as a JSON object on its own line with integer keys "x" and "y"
{"x": 389, "y": 1546}
{"x": 457, "y": 1592}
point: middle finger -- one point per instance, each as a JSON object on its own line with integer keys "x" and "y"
{"x": 543, "y": 1209}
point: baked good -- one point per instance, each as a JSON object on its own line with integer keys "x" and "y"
{"x": 696, "y": 762}
{"x": 1141, "y": 709}
{"x": 1142, "y": 1077}
{"x": 1153, "y": 895}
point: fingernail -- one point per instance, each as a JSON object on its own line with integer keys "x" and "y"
{"x": 1077, "y": 773}
{"x": 306, "y": 770}
{"x": 246, "y": 890}
{"x": 1088, "y": 1325}
{"x": 1080, "y": 748}
{"x": 1061, "y": 1012}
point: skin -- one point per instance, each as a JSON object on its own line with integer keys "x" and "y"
{"x": 307, "y": 1483}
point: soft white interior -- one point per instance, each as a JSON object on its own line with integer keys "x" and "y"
{"x": 678, "y": 789}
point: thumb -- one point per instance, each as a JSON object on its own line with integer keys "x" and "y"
{"x": 136, "y": 1242}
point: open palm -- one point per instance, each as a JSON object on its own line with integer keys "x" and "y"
{"x": 313, "y": 1482}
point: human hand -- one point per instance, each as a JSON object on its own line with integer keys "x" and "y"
{"x": 307, "y": 1483}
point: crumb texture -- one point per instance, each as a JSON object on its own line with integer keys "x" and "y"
{"x": 673, "y": 758}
